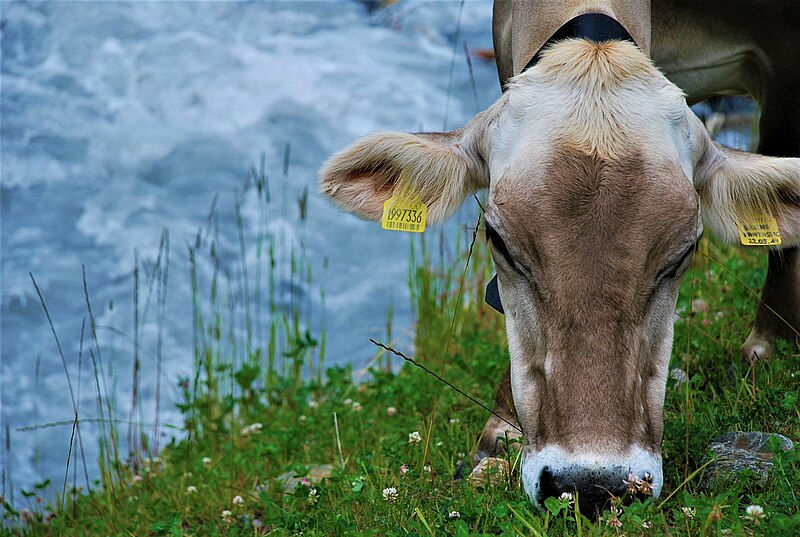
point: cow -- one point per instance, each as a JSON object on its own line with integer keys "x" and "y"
{"x": 600, "y": 182}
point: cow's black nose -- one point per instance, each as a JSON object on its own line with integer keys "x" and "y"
{"x": 594, "y": 488}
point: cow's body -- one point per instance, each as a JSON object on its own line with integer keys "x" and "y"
{"x": 600, "y": 180}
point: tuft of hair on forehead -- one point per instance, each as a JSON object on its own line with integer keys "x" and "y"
{"x": 605, "y": 63}
{"x": 599, "y": 97}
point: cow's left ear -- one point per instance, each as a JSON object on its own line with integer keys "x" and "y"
{"x": 735, "y": 187}
{"x": 438, "y": 169}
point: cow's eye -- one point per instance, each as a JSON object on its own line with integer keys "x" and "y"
{"x": 498, "y": 243}
{"x": 678, "y": 267}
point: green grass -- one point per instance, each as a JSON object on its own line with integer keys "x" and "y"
{"x": 308, "y": 420}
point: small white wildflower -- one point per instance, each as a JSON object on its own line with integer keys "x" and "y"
{"x": 302, "y": 418}
{"x": 646, "y": 484}
{"x": 414, "y": 438}
{"x": 454, "y": 514}
{"x": 252, "y": 428}
{"x": 206, "y": 461}
{"x": 754, "y": 513}
{"x": 688, "y": 512}
{"x": 391, "y": 411}
{"x": 356, "y": 406}
{"x": 390, "y": 494}
{"x": 614, "y": 520}
{"x": 313, "y": 496}
{"x": 238, "y": 500}
{"x": 427, "y": 469}
{"x": 454, "y": 420}
{"x": 313, "y": 404}
{"x": 227, "y": 516}
{"x": 631, "y": 483}
{"x": 348, "y": 402}
{"x": 137, "y": 478}
{"x": 191, "y": 489}
{"x": 647, "y": 524}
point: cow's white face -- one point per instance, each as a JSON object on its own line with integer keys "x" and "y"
{"x": 599, "y": 179}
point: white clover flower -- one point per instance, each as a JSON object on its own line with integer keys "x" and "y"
{"x": 191, "y": 489}
{"x": 647, "y": 524}
{"x": 454, "y": 514}
{"x": 252, "y": 428}
{"x": 238, "y": 500}
{"x": 313, "y": 496}
{"x": 414, "y": 438}
{"x": 356, "y": 406}
{"x": 391, "y": 411}
{"x": 567, "y": 497}
{"x": 227, "y": 516}
{"x": 302, "y": 418}
{"x": 348, "y": 402}
{"x": 631, "y": 483}
{"x": 390, "y": 494}
{"x": 427, "y": 468}
{"x": 206, "y": 461}
{"x": 313, "y": 404}
{"x": 646, "y": 484}
{"x": 754, "y": 513}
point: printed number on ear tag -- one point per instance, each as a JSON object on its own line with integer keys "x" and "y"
{"x": 404, "y": 215}
{"x": 761, "y": 230}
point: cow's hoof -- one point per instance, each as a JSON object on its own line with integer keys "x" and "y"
{"x": 757, "y": 346}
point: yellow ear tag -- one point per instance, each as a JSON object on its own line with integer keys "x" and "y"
{"x": 759, "y": 230}
{"x": 404, "y": 215}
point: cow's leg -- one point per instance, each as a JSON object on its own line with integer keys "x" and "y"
{"x": 779, "y": 136}
{"x": 492, "y": 440}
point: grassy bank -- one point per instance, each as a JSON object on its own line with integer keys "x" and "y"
{"x": 254, "y": 422}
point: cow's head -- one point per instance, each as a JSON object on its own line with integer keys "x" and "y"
{"x": 600, "y": 179}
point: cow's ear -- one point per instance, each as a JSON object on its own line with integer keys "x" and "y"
{"x": 736, "y": 187}
{"x": 438, "y": 169}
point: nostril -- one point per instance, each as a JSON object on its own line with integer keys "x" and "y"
{"x": 550, "y": 486}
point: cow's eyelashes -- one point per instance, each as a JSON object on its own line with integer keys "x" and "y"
{"x": 498, "y": 243}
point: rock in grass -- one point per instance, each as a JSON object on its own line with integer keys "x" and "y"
{"x": 490, "y": 470}
{"x": 316, "y": 473}
{"x": 738, "y": 450}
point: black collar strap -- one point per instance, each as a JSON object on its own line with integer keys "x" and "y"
{"x": 592, "y": 26}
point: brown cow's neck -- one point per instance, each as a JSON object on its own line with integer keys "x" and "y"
{"x": 542, "y": 18}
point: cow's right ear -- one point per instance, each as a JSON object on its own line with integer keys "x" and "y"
{"x": 438, "y": 169}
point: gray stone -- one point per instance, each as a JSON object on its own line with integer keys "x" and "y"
{"x": 738, "y": 450}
